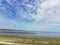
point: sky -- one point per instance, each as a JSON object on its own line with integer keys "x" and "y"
{"x": 33, "y": 15}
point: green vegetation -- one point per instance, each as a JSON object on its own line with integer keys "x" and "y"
{"x": 3, "y": 44}
{"x": 30, "y": 40}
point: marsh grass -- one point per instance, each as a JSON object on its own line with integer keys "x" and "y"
{"x": 31, "y": 40}
{"x": 4, "y": 44}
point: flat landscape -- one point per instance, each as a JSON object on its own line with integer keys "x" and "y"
{"x": 17, "y": 40}
{"x": 21, "y": 37}
{"x": 29, "y": 22}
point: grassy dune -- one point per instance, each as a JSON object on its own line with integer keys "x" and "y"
{"x": 30, "y": 40}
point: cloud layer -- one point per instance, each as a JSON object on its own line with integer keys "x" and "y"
{"x": 30, "y": 15}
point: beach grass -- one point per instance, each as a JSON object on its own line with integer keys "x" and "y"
{"x": 30, "y": 40}
{"x": 4, "y": 44}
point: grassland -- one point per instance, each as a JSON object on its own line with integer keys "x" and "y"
{"x": 29, "y": 40}
{"x": 4, "y": 44}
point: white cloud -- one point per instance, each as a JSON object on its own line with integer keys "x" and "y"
{"x": 50, "y": 3}
{"x": 54, "y": 15}
{"x": 48, "y": 9}
{"x": 50, "y": 16}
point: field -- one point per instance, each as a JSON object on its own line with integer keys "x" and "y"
{"x": 15, "y": 40}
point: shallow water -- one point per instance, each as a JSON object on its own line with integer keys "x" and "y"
{"x": 30, "y": 34}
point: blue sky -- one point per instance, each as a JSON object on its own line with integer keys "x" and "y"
{"x": 37, "y": 15}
